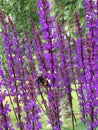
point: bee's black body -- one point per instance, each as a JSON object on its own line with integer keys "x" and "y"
{"x": 43, "y": 81}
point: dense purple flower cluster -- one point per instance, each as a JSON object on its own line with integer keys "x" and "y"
{"x": 61, "y": 63}
{"x": 15, "y": 76}
{"x": 86, "y": 49}
{"x": 4, "y": 107}
{"x": 49, "y": 56}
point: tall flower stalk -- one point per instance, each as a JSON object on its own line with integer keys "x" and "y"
{"x": 48, "y": 46}
{"x": 34, "y": 118}
{"x": 5, "y": 121}
{"x": 64, "y": 71}
{"x": 12, "y": 71}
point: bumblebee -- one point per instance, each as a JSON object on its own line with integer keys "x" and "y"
{"x": 42, "y": 81}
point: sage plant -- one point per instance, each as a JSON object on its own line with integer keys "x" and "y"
{"x": 5, "y": 121}
{"x": 87, "y": 59}
{"x": 48, "y": 48}
{"x": 15, "y": 78}
{"x": 56, "y": 59}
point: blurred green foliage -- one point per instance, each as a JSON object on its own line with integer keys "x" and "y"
{"x": 64, "y": 12}
{"x": 20, "y": 11}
